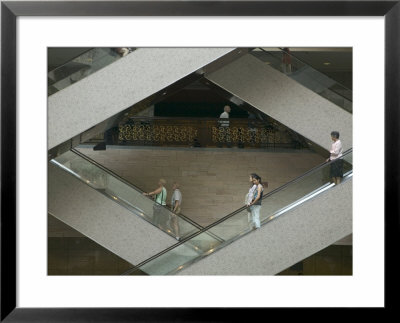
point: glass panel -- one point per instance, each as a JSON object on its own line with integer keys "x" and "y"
{"x": 306, "y": 75}
{"x": 175, "y": 259}
{"x": 237, "y": 224}
{"x": 126, "y": 194}
{"x": 82, "y": 66}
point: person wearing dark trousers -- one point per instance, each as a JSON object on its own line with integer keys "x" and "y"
{"x": 336, "y": 151}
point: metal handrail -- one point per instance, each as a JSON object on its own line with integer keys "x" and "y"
{"x": 194, "y": 118}
{"x": 308, "y": 64}
{"x": 234, "y": 213}
{"x": 263, "y": 50}
{"x": 136, "y": 188}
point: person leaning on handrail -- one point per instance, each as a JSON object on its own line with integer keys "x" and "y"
{"x": 160, "y": 196}
{"x": 336, "y": 171}
{"x": 255, "y": 204}
{"x": 249, "y": 198}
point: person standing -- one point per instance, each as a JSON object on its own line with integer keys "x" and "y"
{"x": 224, "y": 128}
{"x": 336, "y": 171}
{"x": 249, "y": 197}
{"x": 255, "y": 204}
{"x": 160, "y": 194}
{"x": 176, "y": 201}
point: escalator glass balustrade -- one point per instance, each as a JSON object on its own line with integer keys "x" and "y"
{"x": 126, "y": 194}
{"x": 307, "y": 76}
{"x": 82, "y": 66}
{"x": 237, "y": 224}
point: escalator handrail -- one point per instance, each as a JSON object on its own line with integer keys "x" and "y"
{"x": 206, "y": 228}
{"x": 136, "y": 188}
{"x": 342, "y": 96}
{"x": 308, "y": 64}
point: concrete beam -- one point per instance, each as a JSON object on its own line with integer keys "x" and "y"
{"x": 290, "y": 238}
{"x": 285, "y": 100}
{"x": 97, "y": 217}
{"x": 120, "y": 85}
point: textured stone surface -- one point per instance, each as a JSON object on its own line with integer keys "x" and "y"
{"x": 103, "y": 220}
{"x": 285, "y": 100}
{"x": 288, "y": 239}
{"x": 117, "y": 86}
{"x": 213, "y": 182}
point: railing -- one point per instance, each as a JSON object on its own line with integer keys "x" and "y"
{"x": 82, "y": 66}
{"x": 203, "y": 132}
{"x": 236, "y": 224}
{"x": 308, "y": 76}
{"x": 126, "y": 194}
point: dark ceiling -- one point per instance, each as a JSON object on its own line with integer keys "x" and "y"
{"x": 58, "y": 56}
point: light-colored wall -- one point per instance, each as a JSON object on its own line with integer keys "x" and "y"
{"x": 119, "y": 85}
{"x": 285, "y": 100}
{"x": 213, "y": 182}
{"x": 101, "y": 219}
{"x": 290, "y": 238}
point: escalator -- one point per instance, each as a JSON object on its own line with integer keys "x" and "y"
{"x": 306, "y": 75}
{"x": 296, "y": 98}
{"x": 298, "y": 219}
{"x": 81, "y": 66}
{"x": 133, "y": 226}
{"x": 91, "y": 89}
{"x": 301, "y": 209}
{"x": 124, "y": 193}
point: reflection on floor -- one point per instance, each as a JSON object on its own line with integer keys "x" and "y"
{"x": 333, "y": 260}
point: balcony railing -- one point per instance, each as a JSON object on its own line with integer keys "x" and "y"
{"x": 202, "y": 132}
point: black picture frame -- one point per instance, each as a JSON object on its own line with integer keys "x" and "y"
{"x": 10, "y": 10}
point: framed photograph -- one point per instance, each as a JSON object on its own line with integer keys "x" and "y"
{"x": 369, "y": 31}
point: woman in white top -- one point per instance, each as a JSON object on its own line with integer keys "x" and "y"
{"x": 336, "y": 172}
{"x": 249, "y": 198}
{"x": 255, "y": 204}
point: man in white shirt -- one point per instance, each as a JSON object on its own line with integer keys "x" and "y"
{"x": 176, "y": 201}
{"x": 336, "y": 152}
{"x": 225, "y": 114}
{"x": 224, "y": 127}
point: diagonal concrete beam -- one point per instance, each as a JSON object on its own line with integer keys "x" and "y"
{"x": 120, "y": 85}
{"x": 285, "y": 100}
